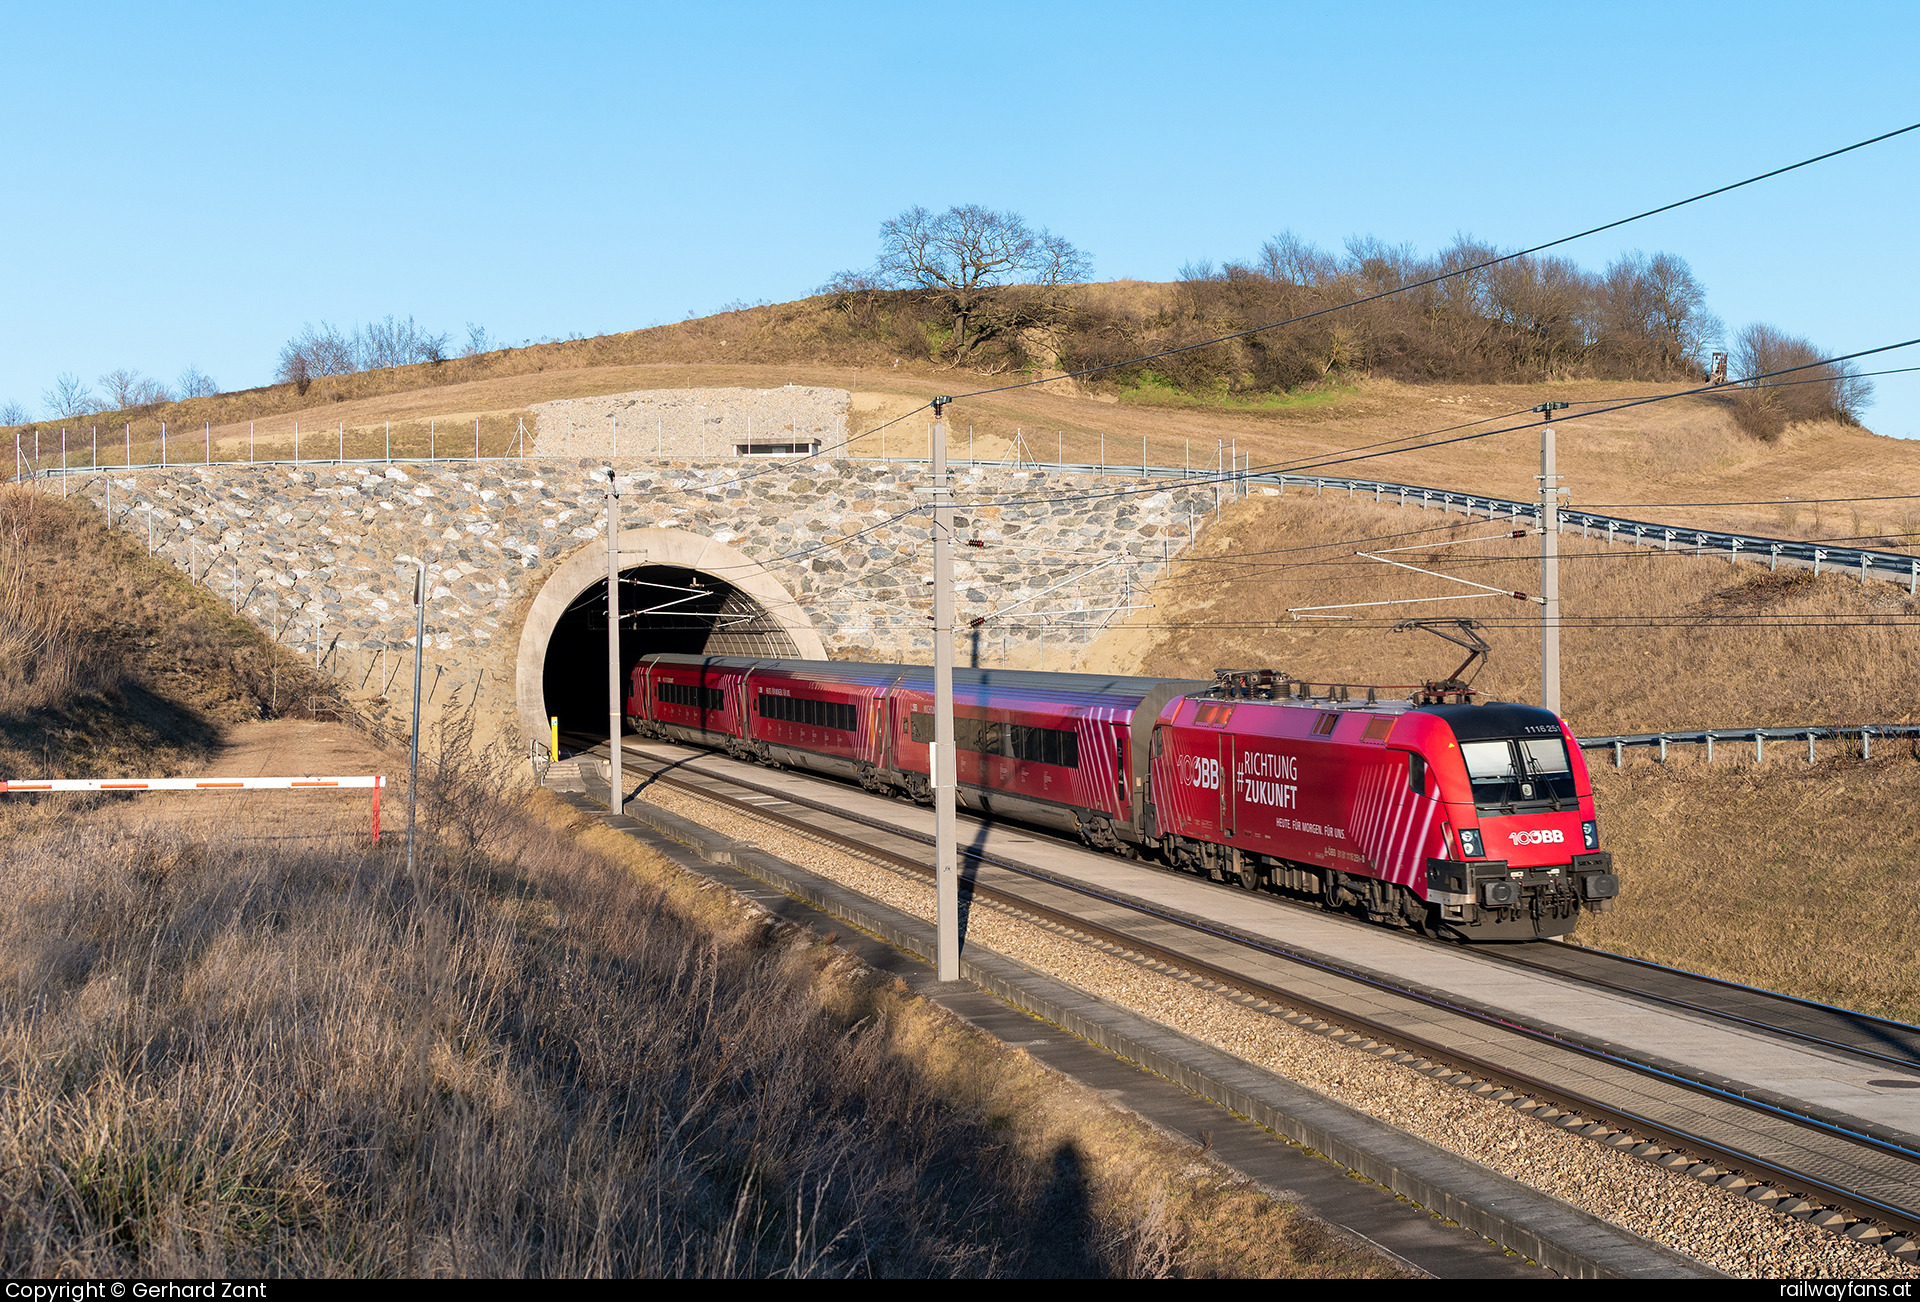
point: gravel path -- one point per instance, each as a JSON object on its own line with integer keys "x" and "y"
{"x": 1718, "y": 1227}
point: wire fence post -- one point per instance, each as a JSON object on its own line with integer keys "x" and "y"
{"x": 163, "y": 445}
{"x": 419, "y": 646}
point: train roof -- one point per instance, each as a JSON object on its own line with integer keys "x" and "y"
{"x": 1033, "y": 684}
{"x": 1495, "y": 719}
{"x": 1484, "y": 719}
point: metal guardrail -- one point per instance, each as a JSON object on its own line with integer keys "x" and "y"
{"x": 1862, "y": 733}
{"x": 1867, "y": 563}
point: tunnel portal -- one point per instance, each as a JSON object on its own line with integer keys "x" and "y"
{"x": 663, "y": 608}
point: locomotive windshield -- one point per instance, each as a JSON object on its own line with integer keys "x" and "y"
{"x": 1520, "y": 771}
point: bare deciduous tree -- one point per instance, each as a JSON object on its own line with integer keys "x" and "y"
{"x": 1287, "y": 259}
{"x": 70, "y": 397}
{"x": 314, "y": 353}
{"x": 196, "y": 383}
{"x": 389, "y": 342}
{"x": 478, "y": 341}
{"x": 963, "y": 254}
{"x": 13, "y": 413}
{"x": 126, "y": 388}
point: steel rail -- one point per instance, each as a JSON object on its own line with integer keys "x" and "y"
{"x": 1909, "y": 1060}
{"x": 1851, "y": 1201}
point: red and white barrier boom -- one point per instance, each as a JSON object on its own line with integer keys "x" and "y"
{"x": 375, "y": 782}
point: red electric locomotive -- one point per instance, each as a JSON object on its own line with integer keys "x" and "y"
{"x": 1471, "y": 819}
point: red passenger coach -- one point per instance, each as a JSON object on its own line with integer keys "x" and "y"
{"x": 1062, "y": 750}
{"x": 1472, "y": 819}
{"x": 688, "y": 699}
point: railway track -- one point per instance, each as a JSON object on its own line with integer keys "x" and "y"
{"x": 1683, "y": 1115}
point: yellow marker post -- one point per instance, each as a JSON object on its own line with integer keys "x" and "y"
{"x": 554, "y": 722}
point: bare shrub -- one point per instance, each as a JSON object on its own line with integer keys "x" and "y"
{"x": 126, "y": 388}
{"x": 478, "y": 341}
{"x": 1523, "y": 319}
{"x": 392, "y": 342}
{"x": 1809, "y": 388}
{"x": 314, "y": 353}
{"x": 196, "y": 383}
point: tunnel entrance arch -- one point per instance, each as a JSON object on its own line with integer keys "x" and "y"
{"x": 678, "y": 592}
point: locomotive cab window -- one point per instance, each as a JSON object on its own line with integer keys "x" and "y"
{"x": 1532, "y": 771}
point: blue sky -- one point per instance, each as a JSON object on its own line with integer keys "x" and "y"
{"x": 190, "y": 185}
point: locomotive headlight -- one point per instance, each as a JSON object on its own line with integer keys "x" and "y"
{"x": 1590, "y": 834}
{"x": 1471, "y": 843}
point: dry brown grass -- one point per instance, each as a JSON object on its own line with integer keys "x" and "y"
{"x": 544, "y": 1053}
{"x": 1712, "y": 660}
{"x": 114, "y": 663}
{"x": 1790, "y": 876}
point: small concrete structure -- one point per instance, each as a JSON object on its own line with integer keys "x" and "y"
{"x": 792, "y": 420}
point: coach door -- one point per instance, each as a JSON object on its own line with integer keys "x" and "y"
{"x": 1229, "y": 783}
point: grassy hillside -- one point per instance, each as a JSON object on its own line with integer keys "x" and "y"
{"x": 1788, "y": 876}
{"x": 1686, "y": 451}
{"x": 1678, "y": 641}
{"x": 112, "y": 664}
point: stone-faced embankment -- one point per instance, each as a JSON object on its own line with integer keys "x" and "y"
{"x": 322, "y": 556}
